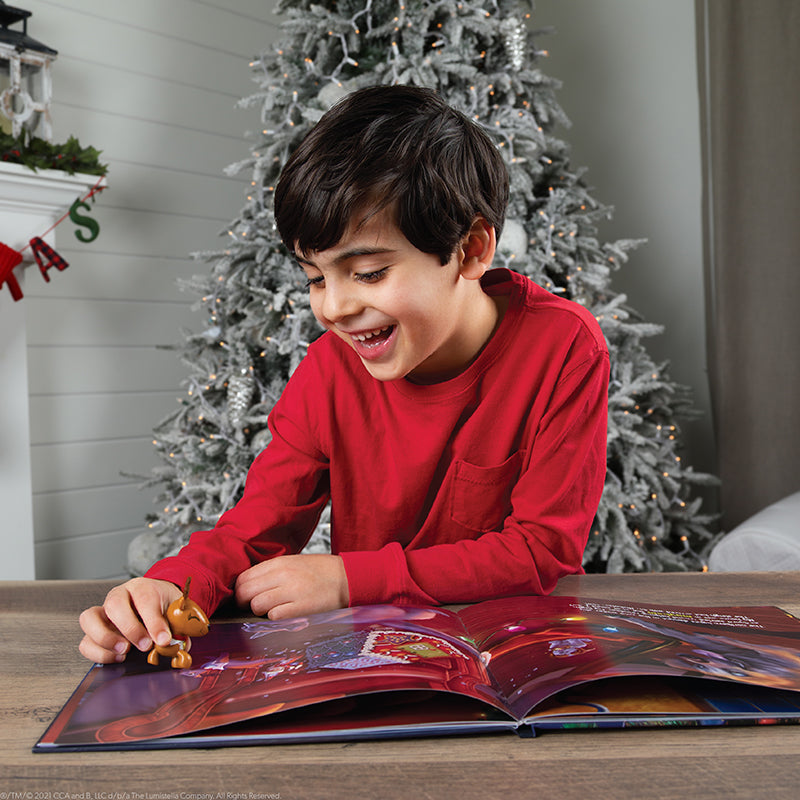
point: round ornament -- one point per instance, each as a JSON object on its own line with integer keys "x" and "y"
{"x": 513, "y": 239}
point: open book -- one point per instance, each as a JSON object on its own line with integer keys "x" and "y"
{"x": 520, "y": 664}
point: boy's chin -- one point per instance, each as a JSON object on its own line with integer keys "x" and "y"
{"x": 382, "y": 372}
{"x": 386, "y": 373}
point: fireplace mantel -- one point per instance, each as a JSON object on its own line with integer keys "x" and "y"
{"x": 30, "y": 202}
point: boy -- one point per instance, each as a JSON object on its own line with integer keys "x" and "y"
{"x": 455, "y": 416}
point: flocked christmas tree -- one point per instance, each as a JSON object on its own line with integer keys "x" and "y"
{"x": 484, "y": 61}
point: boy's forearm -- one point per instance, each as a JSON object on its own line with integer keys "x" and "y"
{"x": 214, "y": 559}
{"x": 500, "y": 564}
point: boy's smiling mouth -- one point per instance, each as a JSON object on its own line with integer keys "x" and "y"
{"x": 373, "y": 344}
{"x": 366, "y": 336}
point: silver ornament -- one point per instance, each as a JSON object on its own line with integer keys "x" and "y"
{"x": 240, "y": 393}
{"x": 514, "y": 40}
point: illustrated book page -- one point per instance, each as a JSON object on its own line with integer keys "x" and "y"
{"x": 516, "y": 663}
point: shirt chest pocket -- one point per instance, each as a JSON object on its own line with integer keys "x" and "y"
{"x": 480, "y": 497}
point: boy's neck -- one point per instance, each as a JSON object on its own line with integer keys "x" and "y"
{"x": 488, "y": 314}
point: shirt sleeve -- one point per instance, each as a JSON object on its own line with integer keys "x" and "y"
{"x": 552, "y": 507}
{"x": 286, "y": 490}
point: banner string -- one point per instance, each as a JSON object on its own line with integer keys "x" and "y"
{"x": 96, "y": 189}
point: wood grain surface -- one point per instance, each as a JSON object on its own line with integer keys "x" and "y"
{"x": 40, "y": 667}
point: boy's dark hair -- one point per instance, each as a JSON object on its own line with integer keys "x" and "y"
{"x": 397, "y": 147}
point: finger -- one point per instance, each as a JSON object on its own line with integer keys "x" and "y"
{"x": 288, "y": 607}
{"x": 137, "y": 610}
{"x": 104, "y": 637}
{"x": 119, "y": 609}
{"x": 100, "y": 655}
{"x": 243, "y": 596}
{"x": 98, "y": 629}
{"x": 284, "y": 611}
{"x": 243, "y": 591}
{"x": 253, "y": 582}
{"x": 151, "y": 609}
{"x": 263, "y": 604}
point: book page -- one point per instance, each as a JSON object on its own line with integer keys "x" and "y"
{"x": 536, "y": 646}
{"x": 245, "y": 670}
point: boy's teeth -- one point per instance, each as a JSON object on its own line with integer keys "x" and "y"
{"x": 362, "y": 337}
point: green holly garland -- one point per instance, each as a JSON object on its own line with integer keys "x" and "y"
{"x": 36, "y": 153}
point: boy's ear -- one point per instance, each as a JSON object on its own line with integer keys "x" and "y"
{"x": 476, "y": 250}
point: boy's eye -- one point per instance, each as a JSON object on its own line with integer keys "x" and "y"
{"x": 371, "y": 277}
{"x": 361, "y": 277}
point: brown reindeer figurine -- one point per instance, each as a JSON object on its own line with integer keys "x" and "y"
{"x": 185, "y": 619}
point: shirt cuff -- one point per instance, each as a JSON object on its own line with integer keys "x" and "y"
{"x": 203, "y": 590}
{"x": 381, "y": 576}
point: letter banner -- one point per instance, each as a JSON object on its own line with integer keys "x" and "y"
{"x": 46, "y": 257}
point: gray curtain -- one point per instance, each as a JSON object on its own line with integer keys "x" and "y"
{"x": 749, "y": 68}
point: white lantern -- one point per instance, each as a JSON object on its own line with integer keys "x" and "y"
{"x": 25, "y": 83}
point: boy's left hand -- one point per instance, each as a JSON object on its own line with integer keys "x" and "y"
{"x": 294, "y": 586}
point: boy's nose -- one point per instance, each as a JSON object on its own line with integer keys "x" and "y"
{"x": 340, "y": 301}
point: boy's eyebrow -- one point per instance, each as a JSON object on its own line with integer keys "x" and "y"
{"x": 300, "y": 260}
{"x": 356, "y": 252}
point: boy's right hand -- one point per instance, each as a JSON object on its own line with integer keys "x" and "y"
{"x": 132, "y": 614}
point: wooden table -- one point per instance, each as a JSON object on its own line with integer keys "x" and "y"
{"x": 40, "y": 666}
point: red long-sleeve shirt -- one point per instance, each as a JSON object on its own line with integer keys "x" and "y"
{"x": 482, "y": 486}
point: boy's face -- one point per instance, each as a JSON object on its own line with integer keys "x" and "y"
{"x": 402, "y": 311}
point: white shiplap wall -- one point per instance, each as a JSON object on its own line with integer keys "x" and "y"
{"x": 154, "y": 85}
